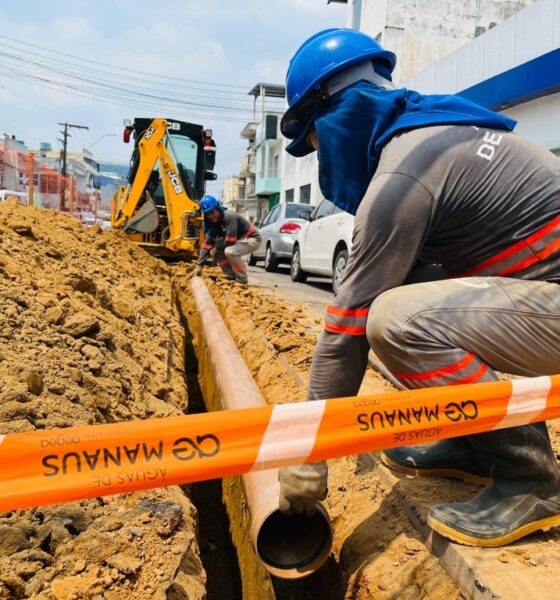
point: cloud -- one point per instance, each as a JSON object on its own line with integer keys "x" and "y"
{"x": 221, "y": 41}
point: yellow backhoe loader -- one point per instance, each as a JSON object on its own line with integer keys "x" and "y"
{"x": 170, "y": 164}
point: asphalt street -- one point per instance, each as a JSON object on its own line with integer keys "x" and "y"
{"x": 315, "y": 293}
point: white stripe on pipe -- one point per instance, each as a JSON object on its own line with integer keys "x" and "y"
{"x": 290, "y": 434}
{"x": 528, "y": 399}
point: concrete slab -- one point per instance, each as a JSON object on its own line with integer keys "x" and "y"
{"x": 528, "y": 569}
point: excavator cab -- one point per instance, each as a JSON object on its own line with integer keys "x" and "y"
{"x": 170, "y": 164}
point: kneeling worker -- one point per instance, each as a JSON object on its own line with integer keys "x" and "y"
{"x": 232, "y": 236}
{"x": 443, "y": 180}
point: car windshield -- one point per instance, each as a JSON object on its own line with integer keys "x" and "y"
{"x": 292, "y": 210}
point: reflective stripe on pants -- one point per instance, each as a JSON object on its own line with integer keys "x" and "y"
{"x": 235, "y": 253}
{"x": 461, "y": 330}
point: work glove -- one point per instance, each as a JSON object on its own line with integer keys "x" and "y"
{"x": 198, "y": 271}
{"x": 301, "y": 486}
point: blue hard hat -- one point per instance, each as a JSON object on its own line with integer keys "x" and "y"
{"x": 316, "y": 61}
{"x": 208, "y": 203}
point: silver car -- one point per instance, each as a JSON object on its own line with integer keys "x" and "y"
{"x": 279, "y": 230}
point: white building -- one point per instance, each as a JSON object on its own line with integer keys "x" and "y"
{"x": 514, "y": 68}
{"x": 420, "y": 33}
{"x": 261, "y": 165}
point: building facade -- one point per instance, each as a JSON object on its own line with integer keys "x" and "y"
{"x": 513, "y": 68}
{"x": 233, "y": 195}
{"x": 420, "y": 33}
{"x": 261, "y": 165}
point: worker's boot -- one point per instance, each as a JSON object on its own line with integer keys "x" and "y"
{"x": 454, "y": 457}
{"x": 523, "y": 497}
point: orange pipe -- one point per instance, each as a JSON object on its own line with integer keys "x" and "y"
{"x": 288, "y": 547}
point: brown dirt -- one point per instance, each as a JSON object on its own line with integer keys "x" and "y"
{"x": 378, "y": 554}
{"x": 89, "y": 333}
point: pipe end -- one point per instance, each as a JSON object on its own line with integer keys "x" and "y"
{"x": 295, "y": 546}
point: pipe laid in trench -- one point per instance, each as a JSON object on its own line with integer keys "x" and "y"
{"x": 288, "y": 547}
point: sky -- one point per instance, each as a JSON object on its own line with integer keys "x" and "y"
{"x": 97, "y": 62}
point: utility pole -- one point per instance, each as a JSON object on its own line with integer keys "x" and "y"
{"x": 64, "y": 140}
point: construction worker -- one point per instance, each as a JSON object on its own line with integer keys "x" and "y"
{"x": 231, "y": 235}
{"x": 444, "y": 181}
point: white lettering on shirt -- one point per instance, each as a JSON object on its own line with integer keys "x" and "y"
{"x": 488, "y": 149}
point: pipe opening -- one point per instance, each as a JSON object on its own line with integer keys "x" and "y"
{"x": 293, "y": 542}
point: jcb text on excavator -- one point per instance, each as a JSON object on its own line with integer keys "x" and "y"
{"x": 170, "y": 164}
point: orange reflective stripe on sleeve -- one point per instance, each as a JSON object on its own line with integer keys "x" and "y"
{"x": 231, "y": 238}
{"x": 350, "y": 321}
{"x": 239, "y": 268}
{"x": 207, "y": 246}
{"x": 351, "y": 312}
{"x": 345, "y": 329}
{"x": 250, "y": 232}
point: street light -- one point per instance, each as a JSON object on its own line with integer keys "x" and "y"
{"x": 99, "y": 139}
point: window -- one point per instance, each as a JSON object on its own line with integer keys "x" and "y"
{"x": 323, "y": 210}
{"x": 289, "y": 195}
{"x": 292, "y": 210}
{"x": 305, "y": 194}
{"x": 266, "y": 219}
{"x": 274, "y": 215}
{"x": 274, "y": 172}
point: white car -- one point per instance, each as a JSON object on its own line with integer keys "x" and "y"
{"x": 323, "y": 245}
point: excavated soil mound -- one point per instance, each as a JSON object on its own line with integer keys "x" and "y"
{"x": 89, "y": 333}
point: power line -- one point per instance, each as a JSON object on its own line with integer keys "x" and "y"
{"x": 107, "y": 98}
{"x": 78, "y": 58}
{"x": 127, "y": 76}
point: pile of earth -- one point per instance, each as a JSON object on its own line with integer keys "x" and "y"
{"x": 90, "y": 333}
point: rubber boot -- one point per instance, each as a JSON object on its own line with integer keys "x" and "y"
{"x": 454, "y": 457}
{"x": 523, "y": 497}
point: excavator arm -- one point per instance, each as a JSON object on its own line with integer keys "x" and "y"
{"x": 134, "y": 210}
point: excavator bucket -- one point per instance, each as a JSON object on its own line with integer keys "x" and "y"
{"x": 145, "y": 220}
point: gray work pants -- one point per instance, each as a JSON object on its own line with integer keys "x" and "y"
{"x": 230, "y": 259}
{"x": 462, "y": 331}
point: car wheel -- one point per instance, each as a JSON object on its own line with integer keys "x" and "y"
{"x": 296, "y": 272}
{"x": 339, "y": 266}
{"x": 252, "y": 260}
{"x": 270, "y": 261}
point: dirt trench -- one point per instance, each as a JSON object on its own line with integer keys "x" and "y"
{"x": 377, "y": 552}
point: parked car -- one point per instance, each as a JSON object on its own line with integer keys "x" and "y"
{"x": 279, "y": 230}
{"x": 323, "y": 245}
